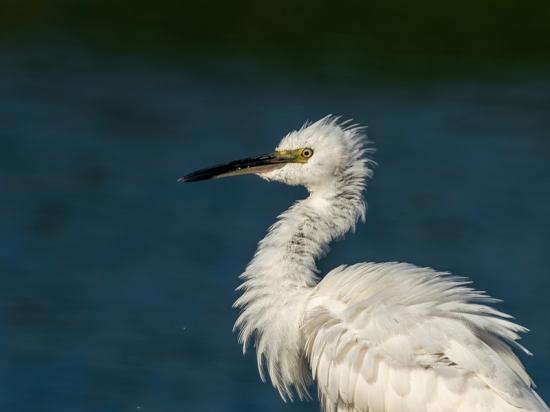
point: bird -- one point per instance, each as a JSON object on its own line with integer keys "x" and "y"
{"x": 372, "y": 337}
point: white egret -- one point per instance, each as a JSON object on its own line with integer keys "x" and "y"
{"x": 376, "y": 337}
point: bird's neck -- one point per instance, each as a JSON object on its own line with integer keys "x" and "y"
{"x": 278, "y": 280}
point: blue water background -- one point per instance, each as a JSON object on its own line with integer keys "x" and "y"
{"x": 117, "y": 282}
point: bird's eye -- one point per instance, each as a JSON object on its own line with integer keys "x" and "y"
{"x": 307, "y": 153}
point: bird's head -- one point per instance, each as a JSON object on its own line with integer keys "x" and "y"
{"x": 315, "y": 156}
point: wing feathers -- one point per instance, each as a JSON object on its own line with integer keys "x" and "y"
{"x": 397, "y": 338}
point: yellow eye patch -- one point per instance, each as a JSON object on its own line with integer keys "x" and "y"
{"x": 301, "y": 155}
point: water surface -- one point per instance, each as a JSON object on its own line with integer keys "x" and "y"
{"x": 118, "y": 281}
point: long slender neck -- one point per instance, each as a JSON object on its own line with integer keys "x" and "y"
{"x": 278, "y": 280}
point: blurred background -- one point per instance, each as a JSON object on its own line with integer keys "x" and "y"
{"x": 117, "y": 282}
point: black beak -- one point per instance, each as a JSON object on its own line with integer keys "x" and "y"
{"x": 259, "y": 164}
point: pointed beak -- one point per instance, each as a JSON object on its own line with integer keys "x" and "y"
{"x": 260, "y": 164}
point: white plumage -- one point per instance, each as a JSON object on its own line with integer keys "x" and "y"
{"x": 376, "y": 337}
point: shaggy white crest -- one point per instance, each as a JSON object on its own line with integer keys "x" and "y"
{"x": 388, "y": 337}
{"x": 338, "y": 157}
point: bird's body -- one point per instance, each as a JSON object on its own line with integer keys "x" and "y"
{"x": 375, "y": 337}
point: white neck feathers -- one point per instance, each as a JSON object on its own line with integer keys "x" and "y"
{"x": 278, "y": 280}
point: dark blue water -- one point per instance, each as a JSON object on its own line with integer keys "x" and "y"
{"x": 117, "y": 282}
